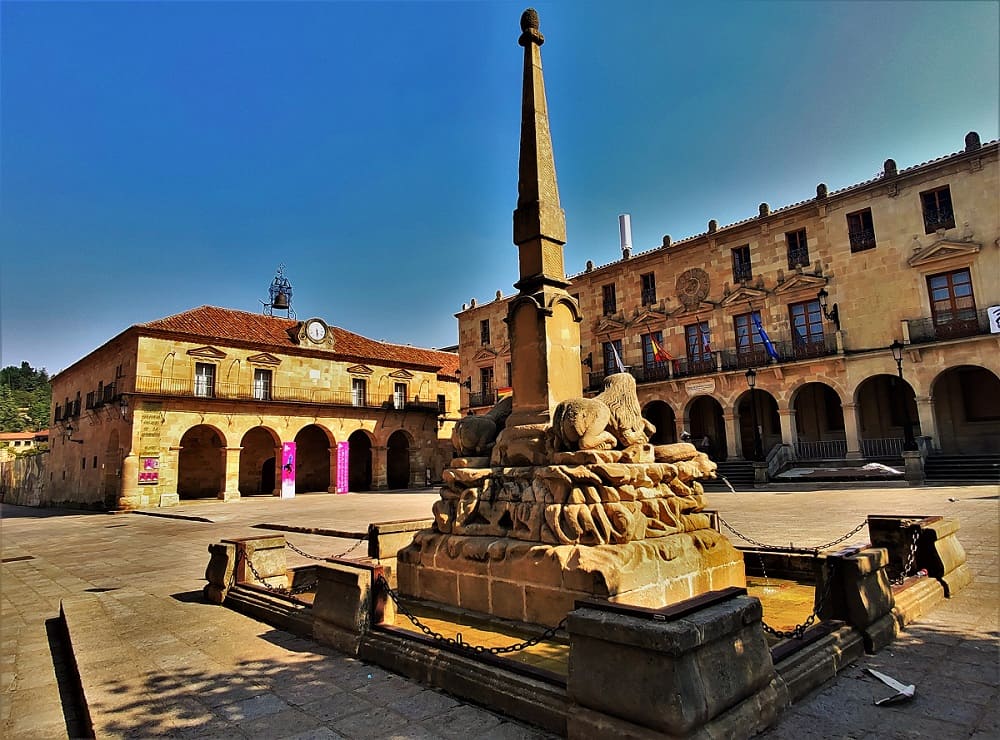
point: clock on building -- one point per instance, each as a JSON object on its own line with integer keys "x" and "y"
{"x": 315, "y": 330}
{"x": 692, "y": 287}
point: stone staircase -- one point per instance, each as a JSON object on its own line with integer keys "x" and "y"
{"x": 962, "y": 469}
{"x": 738, "y": 472}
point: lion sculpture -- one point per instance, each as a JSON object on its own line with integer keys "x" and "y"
{"x": 610, "y": 420}
{"x": 475, "y": 435}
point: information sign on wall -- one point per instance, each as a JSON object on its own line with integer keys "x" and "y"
{"x": 149, "y": 471}
{"x": 343, "y": 458}
{"x": 288, "y": 470}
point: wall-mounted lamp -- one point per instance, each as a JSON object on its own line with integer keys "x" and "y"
{"x": 833, "y": 314}
{"x": 68, "y": 434}
{"x": 588, "y": 360}
{"x": 123, "y": 406}
{"x": 467, "y": 384}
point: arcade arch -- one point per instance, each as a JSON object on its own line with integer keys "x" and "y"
{"x": 257, "y": 461}
{"x": 359, "y": 461}
{"x": 882, "y": 415}
{"x": 819, "y": 422}
{"x": 768, "y": 423}
{"x": 661, "y": 415}
{"x": 397, "y": 461}
{"x": 966, "y": 409}
{"x": 707, "y": 427}
{"x": 201, "y": 465}
{"x": 312, "y": 460}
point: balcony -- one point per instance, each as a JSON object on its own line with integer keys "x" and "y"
{"x": 956, "y": 325}
{"x": 246, "y": 392}
{"x": 862, "y": 239}
{"x": 482, "y": 398}
{"x": 939, "y": 218}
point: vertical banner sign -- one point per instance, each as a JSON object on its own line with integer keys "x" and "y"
{"x": 342, "y": 464}
{"x": 288, "y": 470}
{"x": 993, "y": 314}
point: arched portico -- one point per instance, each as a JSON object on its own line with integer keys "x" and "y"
{"x": 819, "y": 421}
{"x": 966, "y": 408}
{"x": 201, "y": 463}
{"x": 707, "y": 427}
{"x": 398, "y": 464}
{"x": 312, "y": 459}
{"x": 882, "y": 411}
{"x": 359, "y": 461}
{"x": 261, "y": 446}
{"x": 661, "y": 415}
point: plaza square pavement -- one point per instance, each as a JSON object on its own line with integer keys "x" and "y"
{"x": 183, "y": 668}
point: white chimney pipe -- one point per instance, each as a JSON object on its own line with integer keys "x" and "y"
{"x": 625, "y": 231}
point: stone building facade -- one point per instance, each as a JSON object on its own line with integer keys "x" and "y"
{"x": 911, "y": 256}
{"x": 217, "y": 403}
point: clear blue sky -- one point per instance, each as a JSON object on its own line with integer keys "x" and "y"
{"x": 161, "y": 156}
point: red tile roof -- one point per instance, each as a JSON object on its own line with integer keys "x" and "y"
{"x": 214, "y": 324}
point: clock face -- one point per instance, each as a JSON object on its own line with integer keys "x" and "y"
{"x": 316, "y": 330}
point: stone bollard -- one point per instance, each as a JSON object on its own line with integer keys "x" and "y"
{"x": 349, "y": 600}
{"x": 219, "y": 572}
{"x": 700, "y": 668}
{"x": 386, "y": 539}
{"x": 267, "y": 555}
{"x": 857, "y": 591}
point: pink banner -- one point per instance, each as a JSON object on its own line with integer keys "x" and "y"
{"x": 287, "y": 470}
{"x": 343, "y": 462}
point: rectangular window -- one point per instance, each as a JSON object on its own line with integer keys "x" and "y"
{"x": 953, "y": 305}
{"x": 699, "y": 343}
{"x": 204, "y": 380}
{"x": 648, "y": 289}
{"x": 359, "y": 392}
{"x": 807, "y": 327}
{"x": 95, "y": 461}
{"x": 938, "y": 212}
{"x": 742, "y": 272}
{"x": 486, "y": 380}
{"x": 748, "y": 341}
{"x": 610, "y": 361}
{"x": 59, "y": 413}
{"x": 90, "y": 400}
{"x": 261, "y": 384}
{"x": 861, "y": 230}
{"x": 399, "y": 396}
{"x": 484, "y": 332}
{"x": 442, "y": 404}
{"x": 649, "y": 358}
{"x": 798, "y": 249}
{"x": 610, "y": 300}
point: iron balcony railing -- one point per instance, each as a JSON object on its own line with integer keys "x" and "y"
{"x": 862, "y": 239}
{"x": 248, "y": 392}
{"x": 822, "y": 449}
{"x": 939, "y": 218}
{"x": 885, "y": 447}
{"x": 482, "y": 398}
{"x": 954, "y": 325}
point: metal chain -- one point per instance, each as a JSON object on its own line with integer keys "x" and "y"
{"x": 792, "y": 548}
{"x": 300, "y": 589}
{"x": 799, "y": 630}
{"x": 345, "y": 553}
{"x": 908, "y": 565}
{"x": 457, "y": 642}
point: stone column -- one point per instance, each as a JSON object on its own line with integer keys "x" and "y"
{"x": 851, "y": 431}
{"x": 786, "y": 418}
{"x": 928, "y": 426}
{"x": 379, "y": 479}
{"x": 131, "y": 493}
{"x": 231, "y": 466}
{"x": 732, "y": 439}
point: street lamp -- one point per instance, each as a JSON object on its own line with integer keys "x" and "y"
{"x": 834, "y": 313}
{"x": 909, "y": 443}
{"x": 752, "y": 383}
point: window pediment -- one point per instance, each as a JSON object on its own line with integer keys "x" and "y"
{"x": 209, "y": 353}
{"x": 401, "y": 375}
{"x": 694, "y": 309}
{"x": 742, "y": 295}
{"x": 360, "y": 370}
{"x": 264, "y": 358}
{"x": 800, "y": 282}
{"x": 608, "y": 324}
{"x": 941, "y": 250}
{"x": 648, "y": 314}
{"x": 484, "y": 354}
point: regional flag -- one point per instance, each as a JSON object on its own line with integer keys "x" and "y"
{"x": 768, "y": 345}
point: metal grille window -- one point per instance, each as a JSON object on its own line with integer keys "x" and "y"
{"x": 952, "y": 301}
{"x": 861, "y": 230}
{"x": 610, "y": 359}
{"x": 204, "y": 380}
{"x": 748, "y": 339}
{"x": 807, "y": 324}
{"x": 698, "y": 341}
{"x": 399, "y": 396}
{"x": 938, "y": 212}
{"x": 742, "y": 272}
{"x": 484, "y": 332}
{"x": 610, "y": 300}
{"x": 261, "y": 384}
{"x": 798, "y": 249}
{"x": 648, "y": 289}
{"x": 359, "y": 392}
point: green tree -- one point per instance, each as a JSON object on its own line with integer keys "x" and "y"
{"x": 11, "y": 419}
{"x": 26, "y": 398}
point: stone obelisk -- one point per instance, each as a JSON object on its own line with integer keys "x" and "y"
{"x": 543, "y": 319}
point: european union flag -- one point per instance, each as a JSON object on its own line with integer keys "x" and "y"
{"x": 768, "y": 345}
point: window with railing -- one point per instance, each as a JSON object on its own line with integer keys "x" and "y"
{"x": 359, "y": 392}
{"x": 742, "y": 271}
{"x": 486, "y": 380}
{"x": 937, "y": 209}
{"x": 59, "y": 413}
{"x": 699, "y": 345}
{"x": 610, "y": 300}
{"x": 806, "y": 320}
{"x": 261, "y": 384}
{"x": 613, "y": 362}
{"x": 953, "y": 305}
{"x": 484, "y": 332}
{"x": 648, "y": 282}
{"x": 748, "y": 340}
{"x": 798, "y": 249}
{"x": 861, "y": 230}
{"x": 204, "y": 380}
{"x": 90, "y": 400}
{"x": 652, "y": 350}
{"x": 399, "y": 396}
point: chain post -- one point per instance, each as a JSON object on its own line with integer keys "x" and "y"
{"x": 910, "y": 558}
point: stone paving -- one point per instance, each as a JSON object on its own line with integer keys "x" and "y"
{"x": 184, "y": 668}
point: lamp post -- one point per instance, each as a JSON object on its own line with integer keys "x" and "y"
{"x": 909, "y": 443}
{"x": 752, "y": 383}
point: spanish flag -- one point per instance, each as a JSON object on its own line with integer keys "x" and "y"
{"x": 659, "y": 354}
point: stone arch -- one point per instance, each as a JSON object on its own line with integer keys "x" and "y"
{"x": 966, "y": 407}
{"x": 819, "y": 421}
{"x": 201, "y": 462}
{"x": 661, "y": 415}
{"x": 882, "y": 414}
{"x": 704, "y": 422}
{"x": 359, "y": 461}
{"x": 312, "y": 459}
{"x": 399, "y": 449}
{"x": 757, "y": 404}
{"x": 260, "y": 447}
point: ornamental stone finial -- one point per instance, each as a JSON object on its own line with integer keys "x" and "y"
{"x": 529, "y": 19}
{"x": 529, "y": 29}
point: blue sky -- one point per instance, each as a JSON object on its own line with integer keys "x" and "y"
{"x": 155, "y": 157}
